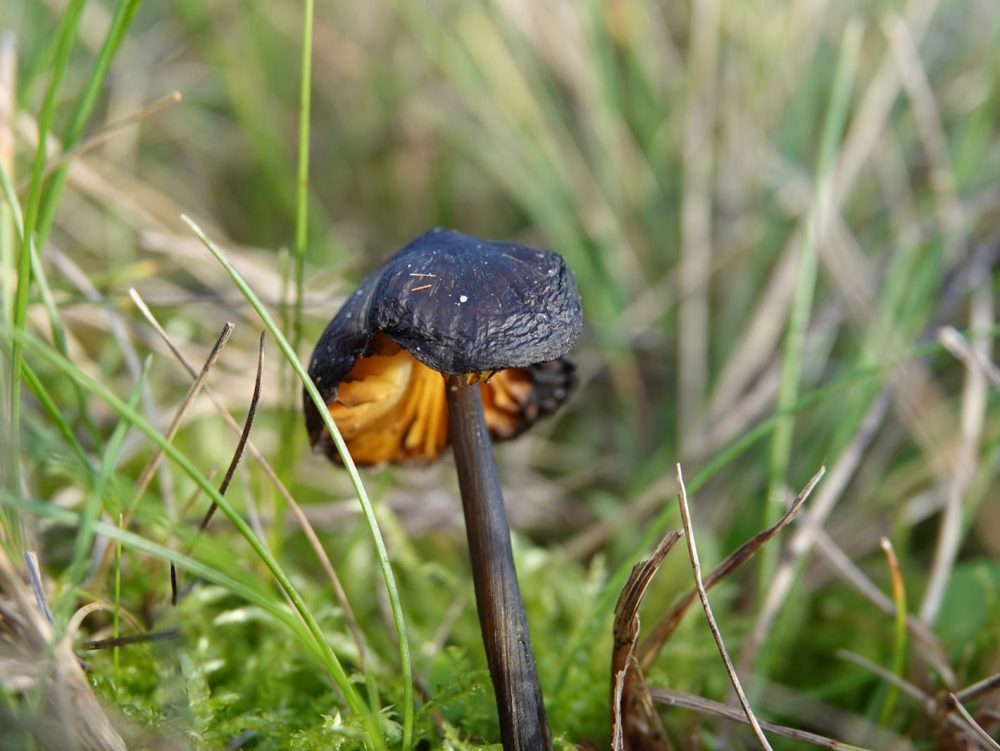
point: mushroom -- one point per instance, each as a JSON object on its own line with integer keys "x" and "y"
{"x": 458, "y": 339}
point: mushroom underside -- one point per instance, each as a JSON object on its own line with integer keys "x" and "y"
{"x": 391, "y": 407}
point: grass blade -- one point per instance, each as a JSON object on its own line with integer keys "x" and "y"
{"x": 85, "y": 104}
{"x": 302, "y": 179}
{"x": 66, "y": 36}
{"x": 899, "y": 635}
{"x": 97, "y": 498}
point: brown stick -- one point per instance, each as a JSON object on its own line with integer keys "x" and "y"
{"x": 523, "y": 723}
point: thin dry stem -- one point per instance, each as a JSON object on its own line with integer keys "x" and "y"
{"x": 707, "y": 706}
{"x": 970, "y": 356}
{"x": 974, "y": 726}
{"x": 105, "y": 134}
{"x": 973, "y": 414}
{"x": 979, "y": 688}
{"x": 35, "y": 577}
{"x": 244, "y": 435}
{"x": 887, "y": 675}
{"x": 106, "y": 183}
{"x": 703, "y": 596}
{"x": 962, "y": 720}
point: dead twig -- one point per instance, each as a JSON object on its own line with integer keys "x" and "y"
{"x": 233, "y": 464}
{"x": 244, "y": 436}
{"x": 703, "y": 596}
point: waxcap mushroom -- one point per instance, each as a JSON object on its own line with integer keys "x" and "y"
{"x": 457, "y": 338}
{"x": 457, "y": 305}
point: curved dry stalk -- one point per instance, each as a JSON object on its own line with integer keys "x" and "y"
{"x": 703, "y": 596}
{"x": 634, "y": 722}
{"x": 244, "y": 434}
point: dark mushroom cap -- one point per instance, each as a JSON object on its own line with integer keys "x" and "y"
{"x": 458, "y": 305}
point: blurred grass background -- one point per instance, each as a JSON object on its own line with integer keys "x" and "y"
{"x": 771, "y": 209}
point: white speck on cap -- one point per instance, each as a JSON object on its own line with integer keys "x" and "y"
{"x": 463, "y": 298}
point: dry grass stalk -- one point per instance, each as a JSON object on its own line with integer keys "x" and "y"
{"x": 684, "y": 700}
{"x": 244, "y": 436}
{"x": 970, "y": 356}
{"x": 971, "y": 419}
{"x": 107, "y": 132}
{"x": 977, "y": 729}
{"x": 703, "y": 596}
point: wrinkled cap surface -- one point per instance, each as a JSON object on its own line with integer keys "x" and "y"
{"x": 458, "y": 305}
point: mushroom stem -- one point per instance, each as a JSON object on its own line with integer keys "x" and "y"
{"x": 523, "y": 723}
